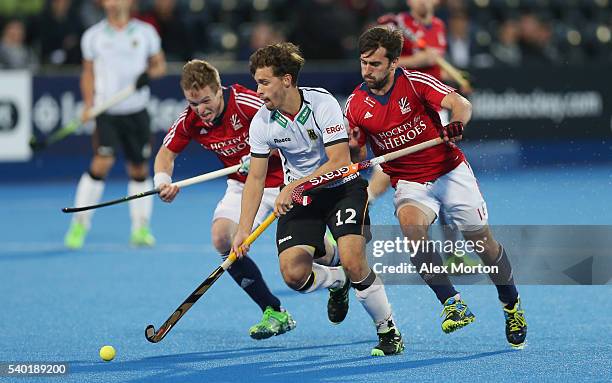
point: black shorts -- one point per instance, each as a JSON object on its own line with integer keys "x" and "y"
{"x": 344, "y": 209}
{"x": 130, "y": 132}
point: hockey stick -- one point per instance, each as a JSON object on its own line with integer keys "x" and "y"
{"x": 299, "y": 198}
{"x": 73, "y": 125}
{"x": 155, "y": 336}
{"x": 453, "y": 72}
{"x": 180, "y": 184}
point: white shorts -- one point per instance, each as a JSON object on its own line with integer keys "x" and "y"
{"x": 456, "y": 193}
{"x": 230, "y": 204}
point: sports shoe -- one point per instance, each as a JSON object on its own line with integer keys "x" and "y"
{"x": 516, "y": 325}
{"x": 456, "y": 314}
{"x": 75, "y": 237}
{"x": 338, "y": 303}
{"x": 389, "y": 343}
{"x": 273, "y": 323}
{"x": 142, "y": 237}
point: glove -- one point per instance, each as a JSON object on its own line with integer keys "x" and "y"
{"x": 245, "y": 164}
{"x": 451, "y": 132}
{"x": 142, "y": 80}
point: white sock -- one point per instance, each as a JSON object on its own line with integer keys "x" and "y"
{"x": 375, "y": 302}
{"x": 140, "y": 208}
{"x": 89, "y": 192}
{"x": 325, "y": 278}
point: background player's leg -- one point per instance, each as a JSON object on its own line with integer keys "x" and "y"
{"x": 141, "y": 208}
{"x": 494, "y": 254}
{"x": 89, "y": 191}
{"x": 302, "y": 275}
{"x": 331, "y": 257}
{"x": 414, "y": 223}
{"x": 244, "y": 271}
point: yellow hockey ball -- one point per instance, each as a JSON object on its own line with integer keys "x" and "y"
{"x": 107, "y": 353}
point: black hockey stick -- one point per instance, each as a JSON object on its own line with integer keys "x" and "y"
{"x": 180, "y": 184}
{"x": 155, "y": 336}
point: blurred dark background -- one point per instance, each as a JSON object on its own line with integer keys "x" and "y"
{"x": 39, "y": 34}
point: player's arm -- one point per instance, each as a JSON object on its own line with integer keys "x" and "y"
{"x": 157, "y": 65}
{"x": 424, "y": 58}
{"x": 461, "y": 112}
{"x": 87, "y": 87}
{"x": 459, "y": 106}
{"x": 251, "y": 199}
{"x": 338, "y": 155}
{"x": 164, "y": 167}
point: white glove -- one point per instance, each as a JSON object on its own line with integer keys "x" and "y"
{"x": 245, "y": 164}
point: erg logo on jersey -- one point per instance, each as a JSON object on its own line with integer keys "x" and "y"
{"x": 334, "y": 129}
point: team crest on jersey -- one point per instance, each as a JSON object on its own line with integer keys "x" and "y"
{"x": 134, "y": 43}
{"x": 369, "y": 101}
{"x": 311, "y": 133}
{"x": 404, "y": 105}
{"x": 235, "y": 121}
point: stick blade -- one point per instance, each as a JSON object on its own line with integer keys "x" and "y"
{"x": 150, "y": 334}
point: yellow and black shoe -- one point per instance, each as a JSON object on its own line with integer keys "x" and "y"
{"x": 516, "y": 325}
{"x": 456, "y": 314}
{"x": 389, "y": 343}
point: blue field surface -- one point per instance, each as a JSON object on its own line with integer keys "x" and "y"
{"x": 62, "y": 306}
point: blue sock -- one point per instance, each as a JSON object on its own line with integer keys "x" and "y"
{"x": 247, "y": 275}
{"x": 438, "y": 282}
{"x": 503, "y": 280}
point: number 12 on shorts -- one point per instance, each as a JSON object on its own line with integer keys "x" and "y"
{"x": 349, "y": 215}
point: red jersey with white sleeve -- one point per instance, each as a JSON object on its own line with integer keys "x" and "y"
{"x": 405, "y": 116}
{"x": 227, "y": 136}
{"x": 432, "y": 35}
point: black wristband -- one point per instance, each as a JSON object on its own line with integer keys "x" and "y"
{"x": 143, "y": 80}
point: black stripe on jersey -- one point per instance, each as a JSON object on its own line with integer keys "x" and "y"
{"x": 316, "y": 123}
{"x": 260, "y": 155}
{"x": 330, "y": 143}
{"x": 316, "y": 90}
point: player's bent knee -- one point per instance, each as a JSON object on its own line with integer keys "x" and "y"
{"x": 221, "y": 242}
{"x": 299, "y": 282}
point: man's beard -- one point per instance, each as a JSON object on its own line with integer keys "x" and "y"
{"x": 379, "y": 84}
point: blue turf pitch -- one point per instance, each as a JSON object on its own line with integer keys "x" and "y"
{"x": 60, "y": 305}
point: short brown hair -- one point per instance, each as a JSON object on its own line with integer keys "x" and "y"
{"x": 198, "y": 74}
{"x": 283, "y": 58}
{"x": 386, "y": 37}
